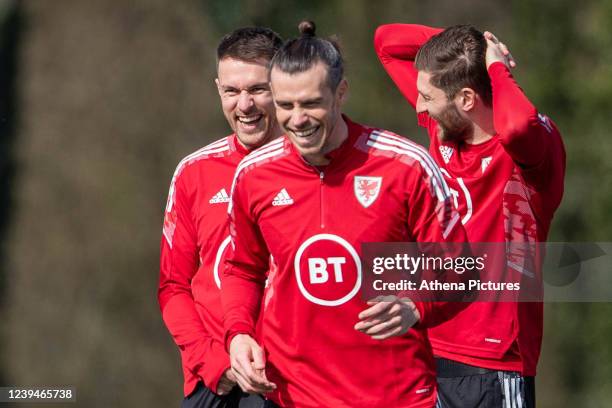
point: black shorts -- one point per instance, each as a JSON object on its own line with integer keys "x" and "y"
{"x": 464, "y": 386}
{"x": 203, "y": 397}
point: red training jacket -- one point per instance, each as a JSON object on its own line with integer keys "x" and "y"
{"x": 194, "y": 243}
{"x": 378, "y": 187}
{"x": 506, "y": 189}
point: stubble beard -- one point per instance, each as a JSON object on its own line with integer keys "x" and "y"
{"x": 453, "y": 127}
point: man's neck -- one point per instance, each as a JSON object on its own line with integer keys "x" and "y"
{"x": 276, "y": 133}
{"x": 483, "y": 128}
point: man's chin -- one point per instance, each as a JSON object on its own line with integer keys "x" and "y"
{"x": 451, "y": 136}
{"x": 253, "y": 140}
{"x": 307, "y": 150}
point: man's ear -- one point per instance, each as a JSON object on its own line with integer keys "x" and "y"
{"x": 218, "y": 86}
{"x": 466, "y": 99}
{"x": 342, "y": 91}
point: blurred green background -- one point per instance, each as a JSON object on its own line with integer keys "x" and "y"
{"x": 100, "y": 99}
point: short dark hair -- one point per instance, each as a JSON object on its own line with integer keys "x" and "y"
{"x": 249, "y": 44}
{"x": 301, "y": 53}
{"x": 455, "y": 58}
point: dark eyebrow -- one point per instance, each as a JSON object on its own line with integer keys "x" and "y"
{"x": 260, "y": 85}
{"x": 233, "y": 88}
{"x": 314, "y": 100}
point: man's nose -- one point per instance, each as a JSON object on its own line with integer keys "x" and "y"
{"x": 299, "y": 119}
{"x": 245, "y": 101}
{"x": 420, "y": 104}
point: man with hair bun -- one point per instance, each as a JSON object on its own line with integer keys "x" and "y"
{"x": 504, "y": 162}
{"x": 309, "y": 199}
{"x": 195, "y": 236}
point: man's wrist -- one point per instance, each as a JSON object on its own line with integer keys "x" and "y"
{"x": 420, "y": 309}
{"x": 413, "y": 309}
{"x": 235, "y": 331}
{"x": 495, "y": 65}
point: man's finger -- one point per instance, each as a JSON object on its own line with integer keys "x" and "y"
{"x": 390, "y": 312}
{"x": 243, "y": 384}
{"x": 252, "y": 387}
{"x": 240, "y": 381}
{"x": 384, "y": 326}
{"x": 491, "y": 44}
{"x": 245, "y": 371}
{"x": 259, "y": 359}
{"x": 255, "y": 377}
{"x": 511, "y": 60}
{"x": 363, "y": 325}
{"x": 390, "y": 333}
{"x": 229, "y": 374}
{"x": 242, "y": 366}
{"x": 374, "y": 310}
{"x": 490, "y": 36}
{"x": 504, "y": 49}
{"x": 224, "y": 387}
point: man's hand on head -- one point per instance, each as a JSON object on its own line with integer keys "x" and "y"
{"x": 497, "y": 51}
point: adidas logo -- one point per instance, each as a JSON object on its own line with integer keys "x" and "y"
{"x": 485, "y": 163}
{"x": 220, "y": 197}
{"x": 446, "y": 152}
{"x": 282, "y": 198}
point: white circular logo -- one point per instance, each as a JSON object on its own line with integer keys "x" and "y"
{"x": 327, "y": 270}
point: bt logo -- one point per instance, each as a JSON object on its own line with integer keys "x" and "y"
{"x": 318, "y": 269}
{"x": 327, "y": 270}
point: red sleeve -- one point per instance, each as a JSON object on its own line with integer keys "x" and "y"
{"x": 526, "y": 135}
{"x": 245, "y": 269}
{"x": 433, "y": 219}
{"x": 396, "y": 46}
{"x": 200, "y": 353}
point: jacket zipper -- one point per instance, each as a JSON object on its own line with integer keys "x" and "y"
{"x": 321, "y": 185}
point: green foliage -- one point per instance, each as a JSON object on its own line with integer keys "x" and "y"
{"x": 113, "y": 94}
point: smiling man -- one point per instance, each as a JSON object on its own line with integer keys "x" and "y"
{"x": 309, "y": 108}
{"x": 195, "y": 234}
{"x": 310, "y": 199}
{"x": 504, "y": 162}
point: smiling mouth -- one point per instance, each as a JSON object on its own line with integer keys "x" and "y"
{"x": 305, "y": 133}
{"x": 250, "y": 120}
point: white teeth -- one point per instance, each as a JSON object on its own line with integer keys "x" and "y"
{"x": 249, "y": 119}
{"x": 305, "y": 133}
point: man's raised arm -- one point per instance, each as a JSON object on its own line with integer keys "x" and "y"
{"x": 396, "y": 46}
{"x": 528, "y": 136}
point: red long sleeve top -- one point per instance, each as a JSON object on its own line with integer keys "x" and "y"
{"x": 194, "y": 244}
{"x": 506, "y": 190}
{"x": 378, "y": 187}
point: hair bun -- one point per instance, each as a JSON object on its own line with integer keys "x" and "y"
{"x": 307, "y": 28}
